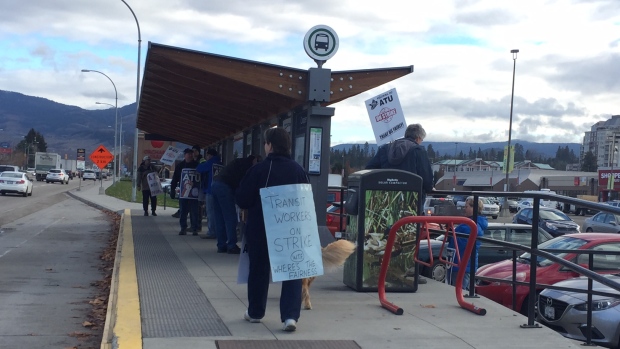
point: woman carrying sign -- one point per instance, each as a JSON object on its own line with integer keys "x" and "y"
{"x": 277, "y": 169}
{"x": 145, "y": 168}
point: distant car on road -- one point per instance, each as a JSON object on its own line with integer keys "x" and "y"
{"x": 57, "y": 175}
{"x": 553, "y": 221}
{"x": 89, "y": 174}
{"x": 14, "y": 182}
{"x": 12, "y": 168}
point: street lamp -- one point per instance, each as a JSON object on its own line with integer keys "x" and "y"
{"x": 514, "y": 65}
{"x": 120, "y": 144}
{"x": 454, "y": 176}
{"x": 134, "y": 174}
{"x": 115, "y": 109}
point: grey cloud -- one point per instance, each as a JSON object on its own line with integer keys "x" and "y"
{"x": 486, "y": 17}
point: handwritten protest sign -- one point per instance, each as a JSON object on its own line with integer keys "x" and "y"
{"x": 190, "y": 184}
{"x": 154, "y": 184}
{"x": 292, "y": 232}
{"x": 170, "y": 155}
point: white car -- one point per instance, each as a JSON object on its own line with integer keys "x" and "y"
{"x": 16, "y": 183}
{"x": 57, "y": 175}
{"x": 89, "y": 174}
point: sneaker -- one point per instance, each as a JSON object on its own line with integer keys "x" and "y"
{"x": 247, "y": 317}
{"x": 153, "y": 214}
{"x": 207, "y": 236}
{"x": 176, "y": 214}
{"x": 183, "y": 232}
{"x": 222, "y": 250}
{"x": 421, "y": 280}
{"x": 146, "y": 213}
{"x": 234, "y": 250}
{"x": 195, "y": 232}
{"x": 290, "y": 325}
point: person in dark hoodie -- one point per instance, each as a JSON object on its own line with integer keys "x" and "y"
{"x": 408, "y": 155}
{"x": 482, "y": 224}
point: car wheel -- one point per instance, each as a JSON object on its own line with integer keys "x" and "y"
{"x": 25, "y": 193}
{"x": 437, "y": 271}
{"x": 3, "y": 194}
{"x": 589, "y": 230}
{"x": 47, "y": 182}
{"x": 31, "y": 191}
{"x": 494, "y": 217}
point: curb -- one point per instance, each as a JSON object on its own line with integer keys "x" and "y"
{"x": 110, "y": 317}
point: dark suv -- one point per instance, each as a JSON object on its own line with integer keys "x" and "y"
{"x": 553, "y": 221}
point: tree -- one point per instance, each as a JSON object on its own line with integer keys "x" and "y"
{"x": 431, "y": 152}
{"x": 519, "y": 153}
{"x": 589, "y": 162}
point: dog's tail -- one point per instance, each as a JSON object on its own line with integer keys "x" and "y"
{"x": 336, "y": 253}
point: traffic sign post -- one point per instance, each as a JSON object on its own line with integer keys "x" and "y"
{"x": 101, "y": 157}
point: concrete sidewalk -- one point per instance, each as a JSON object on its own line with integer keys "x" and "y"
{"x": 189, "y": 298}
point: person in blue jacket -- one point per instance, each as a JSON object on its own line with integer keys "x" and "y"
{"x": 482, "y": 224}
{"x": 277, "y": 169}
{"x": 205, "y": 168}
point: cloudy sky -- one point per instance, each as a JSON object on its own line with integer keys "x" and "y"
{"x": 567, "y": 70}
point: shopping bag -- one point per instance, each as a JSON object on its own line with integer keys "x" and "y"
{"x": 292, "y": 232}
{"x": 154, "y": 184}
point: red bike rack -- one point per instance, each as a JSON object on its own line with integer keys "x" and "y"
{"x": 463, "y": 260}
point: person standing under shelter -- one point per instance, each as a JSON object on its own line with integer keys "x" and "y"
{"x": 461, "y": 243}
{"x": 223, "y": 189}
{"x": 206, "y": 170}
{"x": 145, "y": 168}
{"x": 201, "y": 194}
{"x": 187, "y": 204}
{"x": 277, "y": 169}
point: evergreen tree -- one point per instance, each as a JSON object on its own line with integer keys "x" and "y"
{"x": 589, "y": 162}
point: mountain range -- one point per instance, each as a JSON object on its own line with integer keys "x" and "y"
{"x": 67, "y": 128}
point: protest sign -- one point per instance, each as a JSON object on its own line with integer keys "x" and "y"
{"x": 170, "y": 155}
{"x": 154, "y": 184}
{"x": 292, "y": 232}
{"x": 190, "y": 184}
{"x": 386, "y": 117}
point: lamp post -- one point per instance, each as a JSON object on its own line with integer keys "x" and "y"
{"x": 120, "y": 144}
{"x": 116, "y": 113}
{"x": 514, "y": 65}
{"x": 135, "y": 140}
{"x": 612, "y": 177}
{"x": 454, "y": 176}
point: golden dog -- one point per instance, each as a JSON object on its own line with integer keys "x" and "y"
{"x": 334, "y": 255}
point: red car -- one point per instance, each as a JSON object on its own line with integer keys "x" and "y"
{"x": 333, "y": 220}
{"x": 547, "y": 272}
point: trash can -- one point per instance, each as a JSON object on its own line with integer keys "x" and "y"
{"x": 376, "y": 199}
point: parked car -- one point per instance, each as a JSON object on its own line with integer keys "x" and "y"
{"x": 566, "y": 311}
{"x": 487, "y": 253}
{"x": 447, "y": 207}
{"x": 57, "y": 175}
{"x": 333, "y": 219}
{"x": 513, "y": 206}
{"x": 15, "y": 182}
{"x": 11, "y": 168}
{"x": 553, "y": 221}
{"x": 89, "y": 174}
{"x": 525, "y": 204}
{"x": 602, "y": 222}
{"x": 31, "y": 171}
{"x": 547, "y": 271}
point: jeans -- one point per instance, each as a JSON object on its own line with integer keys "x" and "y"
{"x": 188, "y": 206}
{"x": 211, "y": 216}
{"x": 451, "y": 279}
{"x": 225, "y": 215}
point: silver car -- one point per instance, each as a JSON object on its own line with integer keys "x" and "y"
{"x": 566, "y": 311}
{"x": 602, "y": 222}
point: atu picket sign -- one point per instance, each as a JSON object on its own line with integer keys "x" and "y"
{"x": 386, "y": 117}
{"x": 292, "y": 232}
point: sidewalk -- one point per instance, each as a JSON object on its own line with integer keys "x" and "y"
{"x": 189, "y": 298}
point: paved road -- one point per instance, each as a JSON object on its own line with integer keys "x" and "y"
{"x": 49, "y": 255}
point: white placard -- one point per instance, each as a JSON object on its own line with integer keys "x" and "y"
{"x": 154, "y": 184}
{"x": 292, "y": 232}
{"x": 170, "y": 155}
{"x": 386, "y": 117}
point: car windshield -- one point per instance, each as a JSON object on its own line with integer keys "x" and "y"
{"x": 560, "y": 243}
{"x": 332, "y": 208}
{"x": 10, "y": 175}
{"x": 89, "y": 172}
{"x": 553, "y": 215}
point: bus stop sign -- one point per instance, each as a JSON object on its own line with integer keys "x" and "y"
{"x": 321, "y": 43}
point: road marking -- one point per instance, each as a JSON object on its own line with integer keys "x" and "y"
{"x": 35, "y": 235}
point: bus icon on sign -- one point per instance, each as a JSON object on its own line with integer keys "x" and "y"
{"x": 321, "y": 41}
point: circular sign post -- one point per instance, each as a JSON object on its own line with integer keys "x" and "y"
{"x": 321, "y": 43}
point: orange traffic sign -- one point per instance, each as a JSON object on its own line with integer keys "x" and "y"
{"x": 101, "y": 157}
